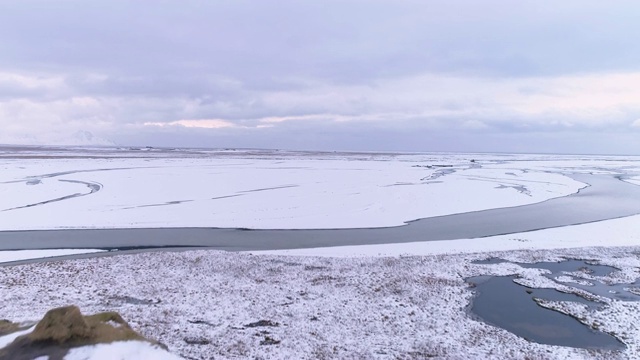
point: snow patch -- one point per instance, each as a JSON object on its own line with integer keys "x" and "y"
{"x": 121, "y": 350}
{"x": 18, "y": 255}
{"x": 8, "y": 339}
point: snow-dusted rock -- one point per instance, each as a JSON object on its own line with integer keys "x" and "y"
{"x": 66, "y": 332}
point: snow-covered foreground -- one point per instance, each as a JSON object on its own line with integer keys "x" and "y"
{"x": 232, "y": 305}
{"x": 287, "y": 190}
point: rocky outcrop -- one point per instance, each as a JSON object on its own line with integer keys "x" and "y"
{"x": 64, "y": 328}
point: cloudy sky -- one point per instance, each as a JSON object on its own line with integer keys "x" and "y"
{"x": 450, "y": 75}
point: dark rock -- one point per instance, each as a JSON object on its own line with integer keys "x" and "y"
{"x": 269, "y": 341}
{"x": 196, "y": 341}
{"x": 262, "y": 323}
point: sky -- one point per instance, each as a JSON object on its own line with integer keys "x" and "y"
{"x": 449, "y": 75}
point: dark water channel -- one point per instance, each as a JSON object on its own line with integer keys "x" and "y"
{"x": 501, "y": 302}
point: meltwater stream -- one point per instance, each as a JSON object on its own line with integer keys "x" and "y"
{"x": 501, "y": 302}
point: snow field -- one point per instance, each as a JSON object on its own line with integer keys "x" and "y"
{"x": 293, "y": 192}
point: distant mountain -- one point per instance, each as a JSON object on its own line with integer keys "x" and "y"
{"x": 84, "y": 137}
{"x": 79, "y": 138}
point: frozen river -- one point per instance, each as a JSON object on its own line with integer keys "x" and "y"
{"x": 607, "y": 197}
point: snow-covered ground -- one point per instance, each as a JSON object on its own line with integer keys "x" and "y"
{"x": 236, "y": 305}
{"x": 273, "y": 189}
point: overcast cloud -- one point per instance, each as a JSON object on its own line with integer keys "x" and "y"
{"x": 526, "y": 76}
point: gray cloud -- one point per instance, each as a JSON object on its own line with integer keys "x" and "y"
{"x": 332, "y": 74}
{"x": 337, "y": 40}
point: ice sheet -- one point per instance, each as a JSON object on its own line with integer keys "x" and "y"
{"x": 272, "y": 190}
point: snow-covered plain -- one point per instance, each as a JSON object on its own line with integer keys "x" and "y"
{"x": 266, "y": 190}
